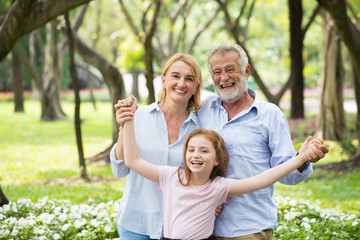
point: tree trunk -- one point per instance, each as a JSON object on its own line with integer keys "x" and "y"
{"x": 17, "y": 82}
{"x": 90, "y": 86}
{"x": 331, "y": 123}
{"x": 356, "y": 79}
{"x": 348, "y": 31}
{"x": 3, "y": 199}
{"x": 296, "y": 48}
{"x": 51, "y": 107}
{"x": 112, "y": 77}
{"x": 146, "y": 40}
{"x": 149, "y": 72}
{"x": 75, "y": 82}
{"x": 135, "y": 83}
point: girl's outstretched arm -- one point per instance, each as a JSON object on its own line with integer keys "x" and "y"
{"x": 131, "y": 152}
{"x": 311, "y": 150}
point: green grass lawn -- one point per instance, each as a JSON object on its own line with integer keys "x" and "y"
{"x": 39, "y": 159}
{"x": 328, "y": 189}
{"x": 33, "y": 152}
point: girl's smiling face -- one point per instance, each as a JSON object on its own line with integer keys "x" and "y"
{"x": 201, "y": 156}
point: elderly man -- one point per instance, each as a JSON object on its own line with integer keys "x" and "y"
{"x": 257, "y": 136}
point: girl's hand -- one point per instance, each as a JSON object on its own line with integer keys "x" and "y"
{"x": 131, "y": 102}
{"x": 313, "y": 150}
{"x": 125, "y": 110}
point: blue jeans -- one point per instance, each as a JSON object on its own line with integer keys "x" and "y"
{"x": 128, "y": 235}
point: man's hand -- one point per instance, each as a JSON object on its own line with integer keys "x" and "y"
{"x": 218, "y": 210}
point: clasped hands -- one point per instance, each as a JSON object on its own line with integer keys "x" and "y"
{"x": 125, "y": 110}
{"x": 313, "y": 149}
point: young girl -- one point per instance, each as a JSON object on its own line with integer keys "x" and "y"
{"x": 191, "y": 195}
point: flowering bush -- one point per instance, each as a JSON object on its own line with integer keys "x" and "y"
{"x": 56, "y": 219}
{"x": 302, "y": 220}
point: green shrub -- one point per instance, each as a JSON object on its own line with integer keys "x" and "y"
{"x": 58, "y": 219}
{"x": 302, "y": 220}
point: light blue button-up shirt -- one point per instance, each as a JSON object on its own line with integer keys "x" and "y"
{"x": 257, "y": 139}
{"x": 141, "y": 208}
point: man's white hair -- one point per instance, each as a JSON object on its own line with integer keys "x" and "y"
{"x": 229, "y": 47}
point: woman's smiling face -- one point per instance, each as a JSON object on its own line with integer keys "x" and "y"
{"x": 179, "y": 82}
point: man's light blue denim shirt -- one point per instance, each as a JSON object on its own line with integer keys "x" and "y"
{"x": 257, "y": 139}
{"x": 141, "y": 208}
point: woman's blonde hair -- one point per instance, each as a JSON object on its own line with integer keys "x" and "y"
{"x": 194, "y": 103}
{"x": 222, "y": 155}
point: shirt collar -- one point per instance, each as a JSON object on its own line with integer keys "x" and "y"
{"x": 154, "y": 107}
{"x": 192, "y": 116}
{"x": 218, "y": 103}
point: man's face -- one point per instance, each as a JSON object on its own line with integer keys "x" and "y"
{"x": 229, "y": 81}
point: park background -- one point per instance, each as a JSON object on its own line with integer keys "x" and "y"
{"x": 65, "y": 63}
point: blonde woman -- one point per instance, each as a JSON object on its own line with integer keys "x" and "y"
{"x": 160, "y": 129}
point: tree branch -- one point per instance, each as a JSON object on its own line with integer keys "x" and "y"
{"x": 311, "y": 20}
{"x": 13, "y": 24}
{"x": 129, "y": 19}
{"x": 237, "y": 20}
{"x": 248, "y": 20}
{"x": 80, "y": 17}
{"x": 201, "y": 30}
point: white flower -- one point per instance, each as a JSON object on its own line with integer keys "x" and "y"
{"x": 94, "y": 212}
{"x": 22, "y": 222}
{"x": 2, "y": 217}
{"x": 79, "y": 223}
{"x": 46, "y": 218}
{"x": 280, "y": 228}
{"x": 11, "y": 220}
{"x": 44, "y": 200}
{"x": 14, "y": 232}
{"x": 289, "y": 216}
{"x": 354, "y": 223}
{"x": 62, "y": 217}
{"x": 65, "y": 227}
{"x": 42, "y": 238}
{"x": 39, "y": 231}
{"x": 94, "y": 222}
{"x": 31, "y": 222}
{"x": 83, "y": 233}
{"x": 5, "y": 232}
{"x": 57, "y": 210}
{"x": 56, "y": 236}
{"x": 305, "y": 219}
{"x": 108, "y": 229}
{"x": 14, "y": 208}
{"x": 6, "y": 207}
{"x": 102, "y": 214}
{"x": 306, "y": 226}
{"x": 313, "y": 220}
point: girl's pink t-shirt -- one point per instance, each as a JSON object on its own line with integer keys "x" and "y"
{"x": 189, "y": 211}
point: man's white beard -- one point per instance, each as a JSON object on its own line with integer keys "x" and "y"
{"x": 235, "y": 93}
